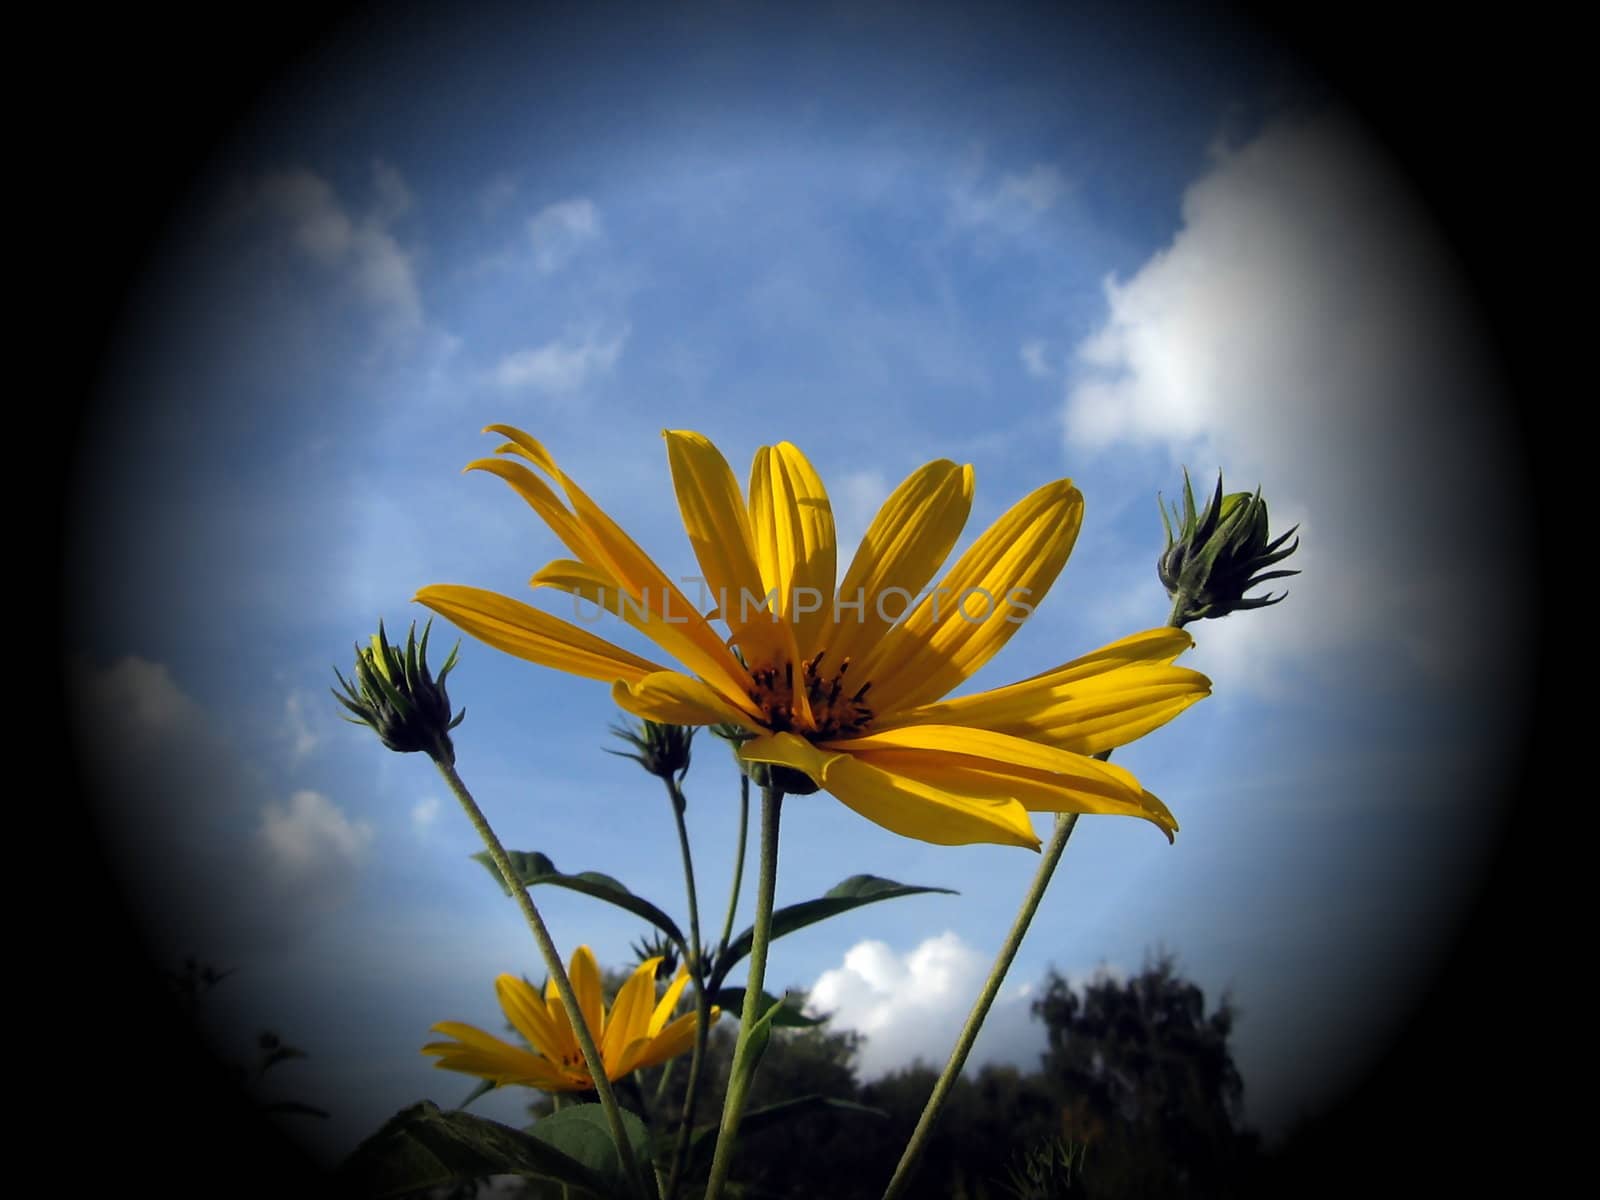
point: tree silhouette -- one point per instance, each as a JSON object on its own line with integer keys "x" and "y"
{"x": 1148, "y": 1083}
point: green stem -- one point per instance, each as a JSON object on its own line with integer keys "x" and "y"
{"x": 679, "y": 804}
{"x": 738, "y": 862}
{"x": 740, "y": 1075}
{"x": 697, "y": 968}
{"x": 1065, "y": 824}
{"x": 552, "y": 962}
{"x": 661, "y": 1083}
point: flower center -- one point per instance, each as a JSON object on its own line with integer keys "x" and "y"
{"x": 835, "y": 712}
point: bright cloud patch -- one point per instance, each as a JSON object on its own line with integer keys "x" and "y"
{"x": 1302, "y": 332}
{"x": 561, "y": 367}
{"x": 359, "y": 248}
{"x": 1010, "y": 203}
{"x": 424, "y": 813}
{"x": 1034, "y": 360}
{"x": 303, "y": 737}
{"x": 136, "y": 697}
{"x": 560, "y": 231}
{"x": 311, "y": 844}
{"x": 911, "y": 1006}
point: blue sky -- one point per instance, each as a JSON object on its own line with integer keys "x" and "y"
{"x": 1099, "y": 247}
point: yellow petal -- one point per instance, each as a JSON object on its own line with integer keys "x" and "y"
{"x": 677, "y": 1038}
{"x": 1153, "y": 648}
{"x": 1035, "y": 790}
{"x": 669, "y": 1000}
{"x": 475, "y": 1052}
{"x": 671, "y": 698}
{"x": 526, "y": 632}
{"x": 525, "y": 1009}
{"x": 584, "y": 972}
{"x": 667, "y": 628}
{"x": 899, "y": 804}
{"x": 982, "y": 601}
{"x": 629, "y": 1019}
{"x": 1086, "y": 714}
{"x": 610, "y": 550}
{"x": 940, "y": 742}
{"x": 541, "y": 499}
{"x": 905, "y": 544}
{"x": 718, "y": 526}
{"x": 792, "y": 524}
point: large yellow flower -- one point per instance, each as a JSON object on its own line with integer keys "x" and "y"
{"x": 635, "y": 1034}
{"x": 844, "y": 684}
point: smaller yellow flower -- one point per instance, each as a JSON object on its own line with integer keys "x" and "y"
{"x": 636, "y": 1033}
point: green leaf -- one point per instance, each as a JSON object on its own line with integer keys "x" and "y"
{"x": 841, "y": 898}
{"x": 533, "y": 868}
{"x": 422, "y": 1147}
{"x": 580, "y": 1132}
{"x": 756, "y": 1044}
{"x": 731, "y": 1000}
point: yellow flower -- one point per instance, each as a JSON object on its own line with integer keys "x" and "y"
{"x": 844, "y": 684}
{"x": 635, "y": 1034}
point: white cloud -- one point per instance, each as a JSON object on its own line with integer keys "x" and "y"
{"x": 311, "y": 845}
{"x": 303, "y": 739}
{"x": 496, "y": 194}
{"x": 424, "y": 813}
{"x": 135, "y": 698}
{"x": 1302, "y": 332}
{"x": 1034, "y": 362}
{"x": 563, "y": 366}
{"x": 559, "y": 231}
{"x": 178, "y": 809}
{"x": 912, "y": 1006}
{"x": 394, "y": 198}
{"x": 1010, "y": 204}
{"x": 373, "y": 264}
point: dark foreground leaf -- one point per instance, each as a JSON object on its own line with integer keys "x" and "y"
{"x": 423, "y": 1147}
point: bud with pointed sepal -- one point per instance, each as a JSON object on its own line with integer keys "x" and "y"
{"x": 663, "y": 750}
{"x": 1219, "y": 553}
{"x": 396, "y": 694}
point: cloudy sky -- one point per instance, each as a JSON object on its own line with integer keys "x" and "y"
{"x": 1102, "y": 249}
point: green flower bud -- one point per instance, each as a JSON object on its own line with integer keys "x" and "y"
{"x": 786, "y": 779}
{"x": 663, "y": 750}
{"x": 396, "y": 694}
{"x": 1220, "y": 553}
{"x": 658, "y": 946}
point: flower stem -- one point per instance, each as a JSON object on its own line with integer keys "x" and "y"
{"x": 675, "y": 793}
{"x": 702, "y": 1002}
{"x": 739, "y": 1076}
{"x": 1065, "y": 824}
{"x": 552, "y": 962}
{"x": 738, "y": 862}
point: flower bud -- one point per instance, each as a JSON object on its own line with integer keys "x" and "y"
{"x": 396, "y": 694}
{"x": 657, "y": 946}
{"x": 663, "y": 750}
{"x": 1220, "y": 553}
